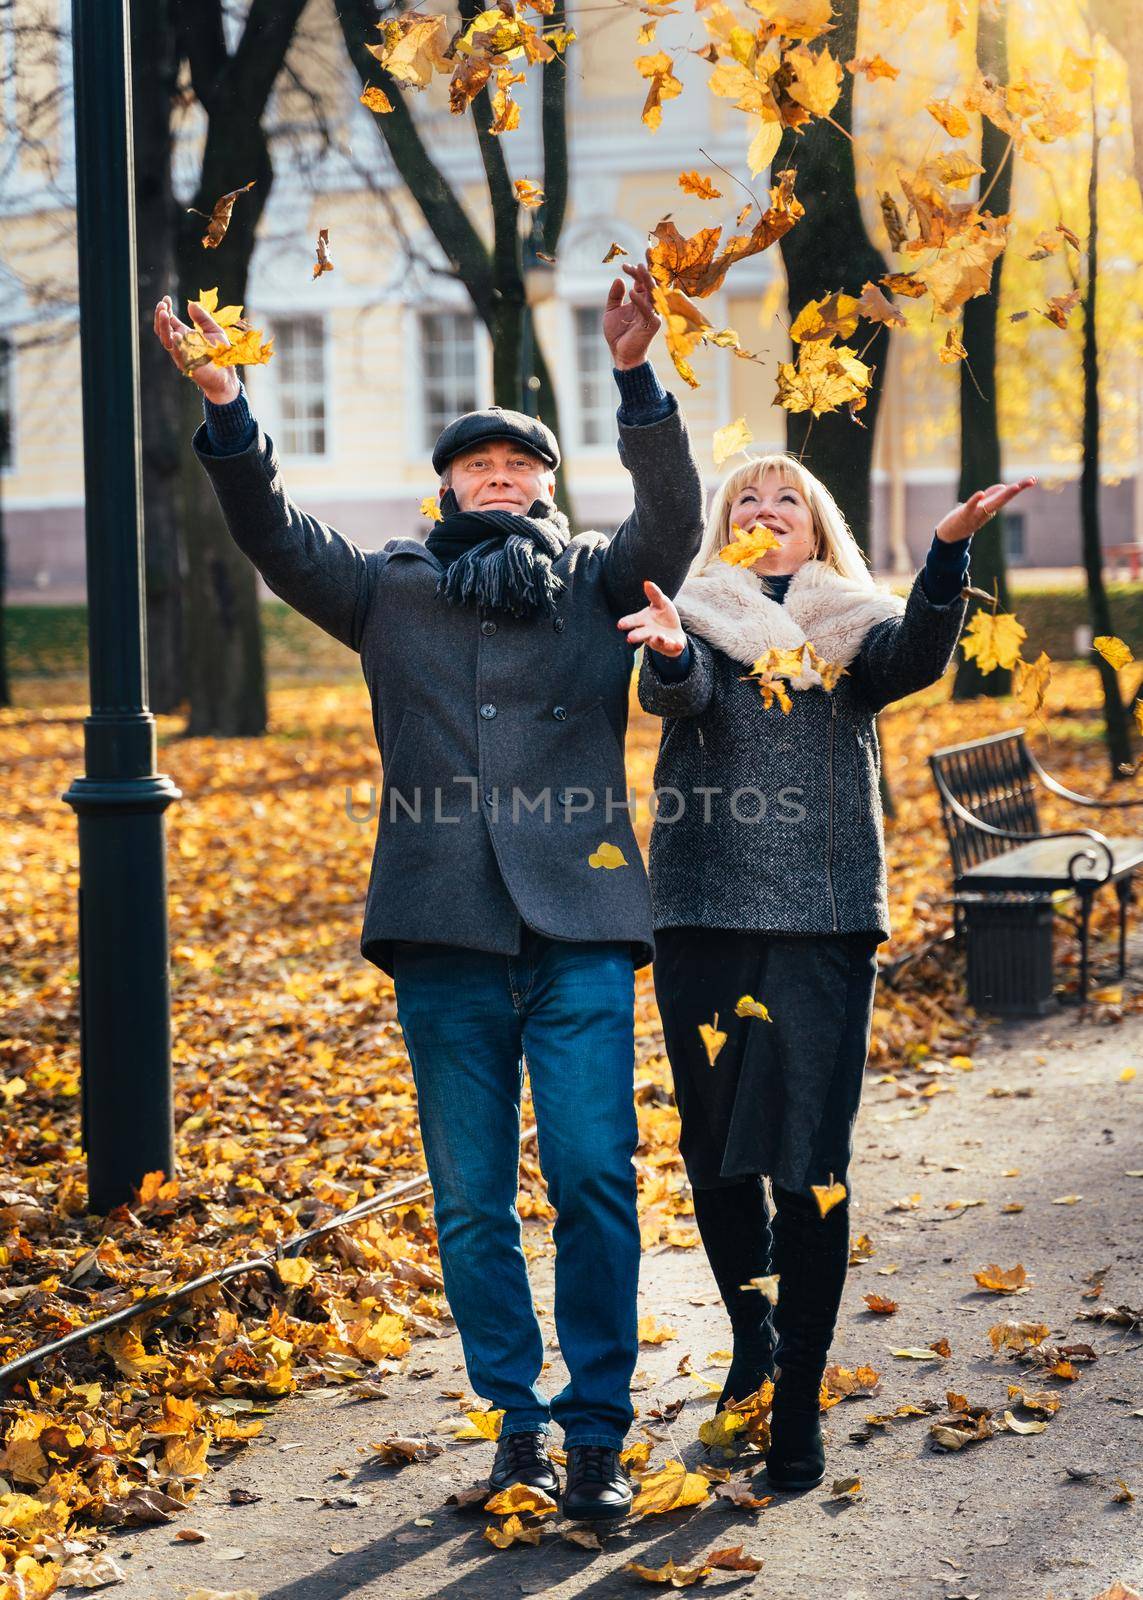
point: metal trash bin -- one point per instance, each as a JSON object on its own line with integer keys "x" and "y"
{"x": 1009, "y": 954}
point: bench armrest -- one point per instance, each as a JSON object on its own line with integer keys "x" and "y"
{"x": 973, "y": 821}
{"x": 1069, "y": 794}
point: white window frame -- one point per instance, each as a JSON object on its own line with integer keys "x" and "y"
{"x": 266, "y": 394}
{"x": 610, "y": 393}
{"x": 419, "y": 444}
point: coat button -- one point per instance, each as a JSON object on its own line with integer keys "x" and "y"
{"x": 488, "y": 627}
{"x": 488, "y": 797}
{"x": 558, "y": 624}
{"x": 488, "y": 711}
{"x": 559, "y": 713}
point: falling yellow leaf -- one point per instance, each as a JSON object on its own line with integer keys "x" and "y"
{"x": 873, "y": 67}
{"x": 614, "y": 251}
{"x": 835, "y": 315}
{"x": 607, "y": 855}
{"x": 712, "y": 1039}
{"x": 767, "y": 1286}
{"x": 747, "y": 547}
{"x": 324, "y": 262}
{"x": 431, "y": 508}
{"x": 1030, "y": 681}
{"x": 730, "y": 440}
{"x": 529, "y": 194}
{"x": 220, "y": 216}
{"x": 950, "y": 116}
{"x": 828, "y": 1195}
{"x": 659, "y": 68}
{"x": 1113, "y": 650}
{"x": 701, "y": 188}
{"x": 825, "y": 378}
{"x": 375, "y": 99}
{"x": 952, "y": 349}
{"x": 763, "y": 146}
{"x": 993, "y": 639}
{"x": 747, "y": 1006}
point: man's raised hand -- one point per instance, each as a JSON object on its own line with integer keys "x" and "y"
{"x": 630, "y": 325}
{"x": 656, "y": 625}
{"x": 219, "y": 384}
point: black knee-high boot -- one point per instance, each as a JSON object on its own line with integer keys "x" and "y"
{"x": 735, "y": 1231}
{"x": 811, "y": 1257}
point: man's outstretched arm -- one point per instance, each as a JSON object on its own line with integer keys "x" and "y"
{"x": 311, "y": 566}
{"x": 660, "y": 538}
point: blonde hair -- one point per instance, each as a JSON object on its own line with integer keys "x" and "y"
{"x": 833, "y": 541}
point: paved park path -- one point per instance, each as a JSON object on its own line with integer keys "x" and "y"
{"x": 1010, "y": 1518}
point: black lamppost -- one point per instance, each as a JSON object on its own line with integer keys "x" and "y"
{"x": 124, "y": 979}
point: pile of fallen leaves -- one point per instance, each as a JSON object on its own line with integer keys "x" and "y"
{"x": 294, "y": 1101}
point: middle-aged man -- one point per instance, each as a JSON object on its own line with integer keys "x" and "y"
{"x": 507, "y": 896}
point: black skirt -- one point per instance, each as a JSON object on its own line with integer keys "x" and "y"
{"x": 782, "y": 1096}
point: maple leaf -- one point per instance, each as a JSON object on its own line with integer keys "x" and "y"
{"x": 905, "y": 283}
{"x": 874, "y": 307}
{"x": 702, "y": 188}
{"x": 529, "y": 194}
{"x": 613, "y": 252}
{"x": 873, "y": 67}
{"x": 670, "y": 1488}
{"x": 880, "y": 1304}
{"x": 673, "y": 1576}
{"x": 993, "y": 639}
{"x": 950, "y": 116}
{"x": 414, "y": 48}
{"x": 1030, "y": 682}
{"x": 1001, "y": 1280}
{"x": 324, "y": 262}
{"x": 220, "y": 215}
{"x": 651, "y": 1331}
{"x": 1060, "y": 307}
{"x": 952, "y": 350}
{"x": 521, "y": 1498}
{"x": 816, "y": 82}
{"x": 745, "y": 548}
{"x": 712, "y": 1039}
{"x": 732, "y": 1559}
{"x": 511, "y": 1531}
{"x": 730, "y": 440}
{"x": 834, "y": 315}
{"x": 659, "y": 68}
{"x": 505, "y": 110}
{"x": 697, "y": 265}
{"x": 794, "y": 19}
{"x": 826, "y": 377}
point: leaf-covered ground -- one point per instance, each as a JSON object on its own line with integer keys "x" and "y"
{"x": 294, "y": 1099}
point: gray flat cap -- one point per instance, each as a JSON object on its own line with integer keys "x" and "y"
{"x": 478, "y": 427}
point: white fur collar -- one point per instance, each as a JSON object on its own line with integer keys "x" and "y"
{"x": 727, "y": 607}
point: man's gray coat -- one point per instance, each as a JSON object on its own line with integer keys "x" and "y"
{"x": 501, "y": 738}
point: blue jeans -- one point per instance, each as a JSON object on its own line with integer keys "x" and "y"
{"x": 469, "y": 1017}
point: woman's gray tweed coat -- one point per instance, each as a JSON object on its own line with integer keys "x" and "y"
{"x": 778, "y": 823}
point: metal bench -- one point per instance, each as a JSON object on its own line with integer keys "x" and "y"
{"x": 1006, "y": 870}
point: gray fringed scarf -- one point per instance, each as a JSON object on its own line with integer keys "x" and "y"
{"x": 500, "y": 559}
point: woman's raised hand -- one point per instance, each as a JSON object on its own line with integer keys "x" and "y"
{"x": 219, "y": 384}
{"x": 964, "y": 520}
{"x": 656, "y": 625}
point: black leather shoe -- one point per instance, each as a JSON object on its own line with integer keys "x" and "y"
{"x": 523, "y": 1458}
{"x": 598, "y": 1488}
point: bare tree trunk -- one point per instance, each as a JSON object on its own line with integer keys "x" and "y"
{"x": 830, "y": 250}
{"x": 980, "y": 449}
{"x": 154, "y": 63}
{"x": 1116, "y": 723}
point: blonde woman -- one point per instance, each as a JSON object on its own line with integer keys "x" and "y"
{"x": 767, "y": 870}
